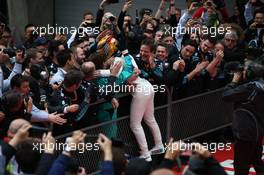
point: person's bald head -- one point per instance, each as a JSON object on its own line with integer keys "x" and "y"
{"x": 88, "y": 68}
{"x": 162, "y": 172}
{"x": 15, "y": 125}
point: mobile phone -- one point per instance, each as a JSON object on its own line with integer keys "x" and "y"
{"x": 113, "y": 1}
{"x": 27, "y": 96}
{"x": 91, "y": 138}
{"x": 37, "y": 131}
{"x": 117, "y": 143}
{"x": 137, "y": 17}
{"x": 260, "y": 26}
{"x": 39, "y": 128}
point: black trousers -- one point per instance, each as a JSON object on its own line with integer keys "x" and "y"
{"x": 248, "y": 153}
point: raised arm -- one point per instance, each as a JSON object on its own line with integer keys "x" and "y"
{"x": 160, "y": 9}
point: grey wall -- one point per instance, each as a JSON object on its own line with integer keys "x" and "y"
{"x": 69, "y": 12}
{"x": 73, "y": 10}
{"x": 22, "y": 12}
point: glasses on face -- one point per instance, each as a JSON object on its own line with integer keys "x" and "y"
{"x": 230, "y": 40}
{"x": 6, "y": 36}
{"x": 111, "y": 18}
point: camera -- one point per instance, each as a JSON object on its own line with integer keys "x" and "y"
{"x": 39, "y": 72}
{"x": 44, "y": 75}
{"x": 165, "y": 65}
{"x": 234, "y": 66}
{"x": 260, "y": 26}
{"x": 113, "y": 1}
{"x": 10, "y": 52}
{"x": 43, "y": 101}
{"x": 209, "y": 4}
{"x": 26, "y": 97}
{"x": 88, "y": 24}
{"x": 112, "y": 19}
{"x": 254, "y": 70}
{"x": 37, "y": 131}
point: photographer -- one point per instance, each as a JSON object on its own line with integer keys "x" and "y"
{"x": 65, "y": 59}
{"x": 254, "y": 28}
{"x": 30, "y": 35}
{"x": 38, "y": 83}
{"x": 20, "y": 84}
{"x": 7, "y": 63}
{"x": 87, "y": 21}
{"x": 51, "y": 62}
{"x": 209, "y": 5}
{"x": 19, "y": 60}
{"x": 7, "y": 38}
{"x": 132, "y": 34}
{"x": 125, "y": 20}
{"x": 13, "y": 108}
{"x": 201, "y": 161}
{"x": 247, "y": 92}
{"x": 234, "y": 51}
{"x": 172, "y": 14}
{"x": 109, "y": 21}
{"x": 79, "y": 56}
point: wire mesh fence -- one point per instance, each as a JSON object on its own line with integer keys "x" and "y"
{"x": 179, "y": 119}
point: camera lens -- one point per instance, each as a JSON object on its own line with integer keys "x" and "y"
{"x": 9, "y": 52}
{"x": 112, "y": 19}
{"x": 166, "y": 65}
{"x": 209, "y": 4}
{"x": 44, "y": 75}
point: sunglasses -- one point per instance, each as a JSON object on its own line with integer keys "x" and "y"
{"x": 149, "y": 31}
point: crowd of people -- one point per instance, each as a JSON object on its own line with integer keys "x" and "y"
{"x": 50, "y": 81}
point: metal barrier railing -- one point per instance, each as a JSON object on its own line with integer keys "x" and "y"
{"x": 181, "y": 119}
